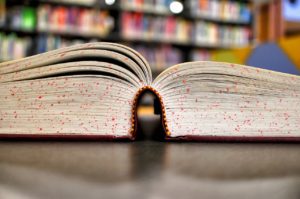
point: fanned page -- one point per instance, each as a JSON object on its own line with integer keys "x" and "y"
{"x": 91, "y": 91}
{"x": 221, "y": 101}
{"x": 81, "y": 91}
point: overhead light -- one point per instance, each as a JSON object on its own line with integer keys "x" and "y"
{"x": 110, "y": 2}
{"x": 176, "y": 7}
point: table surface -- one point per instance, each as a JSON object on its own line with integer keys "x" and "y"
{"x": 148, "y": 169}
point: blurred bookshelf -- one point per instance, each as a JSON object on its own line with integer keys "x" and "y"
{"x": 164, "y": 36}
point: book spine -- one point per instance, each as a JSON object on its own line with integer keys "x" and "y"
{"x": 133, "y": 130}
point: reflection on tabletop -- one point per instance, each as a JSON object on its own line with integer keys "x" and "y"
{"x": 148, "y": 169}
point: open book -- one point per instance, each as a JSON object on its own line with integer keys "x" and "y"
{"x": 92, "y": 91}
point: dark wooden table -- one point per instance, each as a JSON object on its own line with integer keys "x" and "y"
{"x": 148, "y": 169}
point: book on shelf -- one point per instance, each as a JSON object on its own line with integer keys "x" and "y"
{"x": 220, "y": 35}
{"x": 21, "y": 18}
{"x": 14, "y": 47}
{"x": 160, "y": 57}
{"x": 158, "y": 7}
{"x": 92, "y": 91}
{"x": 139, "y": 26}
{"x": 155, "y": 28}
{"x": 48, "y": 42}
{"x": 228, "y": 11}
{"x": 74, "y": 20}
{"x": 201, "y": 55}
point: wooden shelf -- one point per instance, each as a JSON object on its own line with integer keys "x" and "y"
{"x": 17, "y": 31}
{"x": 221, "y": 20}
{"x": 116, "y": 37}
{"x": 84, "y": 4}
{"x": 76, "y": 34}
{"x": 179, "y": 43}
{"x": 291, "y": 27}
{"x": 146, "y": 10}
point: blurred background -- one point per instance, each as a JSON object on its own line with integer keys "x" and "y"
{"x": 261, "y": 33}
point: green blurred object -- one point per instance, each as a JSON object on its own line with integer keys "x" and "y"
{"x": 28, "y": 18}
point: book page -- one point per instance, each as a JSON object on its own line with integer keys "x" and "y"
{"x": 84, "y": 90}
{"x": 220, "y": 99}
